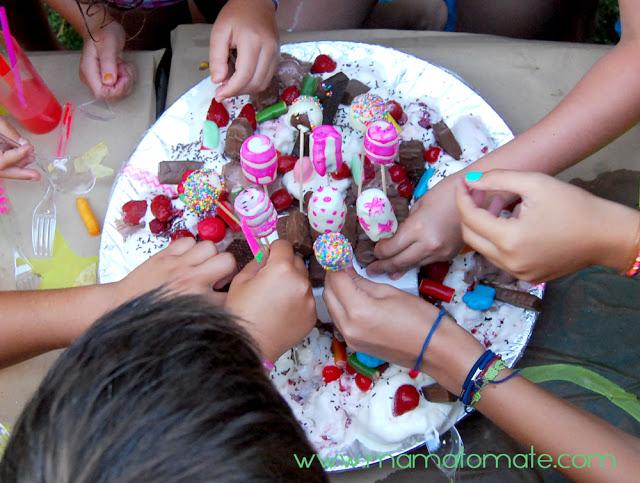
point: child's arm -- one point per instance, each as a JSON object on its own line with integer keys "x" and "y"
{"x": 602, "y": 106}
{"x": 36, "y": 322}
{"x": 367, "y": 315}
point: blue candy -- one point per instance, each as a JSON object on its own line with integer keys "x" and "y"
{"x": 423, "y": 185}
{"x": 481, "y": 298}
{"x": 368, "y": 360}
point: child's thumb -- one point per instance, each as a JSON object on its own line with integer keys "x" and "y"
{"x": 108, "y": 66}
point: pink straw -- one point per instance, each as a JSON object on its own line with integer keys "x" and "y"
{"x": 11, "y": 52}
{"x": 65, "y": 130}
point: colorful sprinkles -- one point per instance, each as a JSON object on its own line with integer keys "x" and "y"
{"x": 201, "y": 190}
{"x": 367, "y": 108}
{"x": 333, "y": 251}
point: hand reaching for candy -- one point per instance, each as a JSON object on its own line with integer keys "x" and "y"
{"x": 14, "y": 161}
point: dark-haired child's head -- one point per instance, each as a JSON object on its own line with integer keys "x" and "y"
{"x": 162, "y": 389}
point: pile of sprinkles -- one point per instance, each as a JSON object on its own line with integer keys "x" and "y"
{"x": 201, "y": 190}
{"x": 333, "y": 251}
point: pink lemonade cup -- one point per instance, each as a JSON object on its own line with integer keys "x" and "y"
{"x": 25, "y": 95}
{"x": 381, "y": 143}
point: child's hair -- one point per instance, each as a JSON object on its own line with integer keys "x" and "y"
{"x": 161, "y": 389}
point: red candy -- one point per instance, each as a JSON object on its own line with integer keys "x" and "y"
{"x": 432, "y": 154}
{"x": 406, "y": 399}
{"x": 437, "y": 271}
{"x": 398, "y": 173}
{"x": 436, "y": 290}
{"x": 157, "y": 227}
{"x": 212, "y": 228}
{"x": 350, "y": 370}
{"x": 133, "y": 211}
{"x": 233, "y": 226}
{"x": 343, "y": 173}
{"x": 176, "y": 235}
{"x": 405, "y": 189}
{"x": 281, "y": 199}
{"x": 290, "y": 94}
{"x": 161, "y": 208}
{"x": 218, "y": 113}
{"x": 249, "y": 113}
{"x": 323, "y": 63}
{"x": 331, "y": 373}
{"x": 368, "y": 171}
{"x": 286, "y": 163}
{"x": 363, "y": 382}
{"x": 395, "y": 110}
{"x": 413, "y": 373}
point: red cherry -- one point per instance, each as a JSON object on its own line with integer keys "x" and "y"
{"x": 161, "y": 208}
{"x": 343, "y": 173}
{"x": 157, "y": 227}
{"x": 406, "y": 399}
{"x": 331, "y": 373}
{"x": 432, "y": 154}
{"x": 395, "y": 110}
{"x": 349, "y": 369}
{"x": 181, "y": 234}
{"x": 249, "y": 113}
{"x": 286, "y": 163}
{"x": 323, "y": 63}
{"x": 218, "y": 113}
{"x": 413, "y": 373}
{"x": 290, "y": 94}
{"x": 281, "y": 199}
{"x": 363, "y": 382}
{"x": 398, "y": 173}
{"x": 405, "y": 189}
{"x": 437, "y": 271}
{"x": 133, "y": 211}
{"x": 212, "y": 228}
{"x": 368, "y": 171}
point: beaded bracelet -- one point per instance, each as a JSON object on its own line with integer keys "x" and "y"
{"x": 416, "y": 369}
{"x": 484, "y": 372}
{"x": 478, "y": 368}
{"x": 635, "y": 265}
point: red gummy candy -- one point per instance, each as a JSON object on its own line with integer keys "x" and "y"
{"x": 161, "y": 208}
{"x": 398, "y": 173}
{"x": 218, "y": 113}
{"x": 286, "y": 163}
{"x": 290, "y": 94}
{"x": 281, "y": 199}
{"x": 406, "y": 399}
{"x": 249, "y": 113}
{"x": 395, "y": 110}
{"x": 157, "y": 227}
{"x": 432, "y": 154}
{"x": 363, "y": 382}
{"x": 349, "y": 368}
{"x": 437, "y": 271}
{"x": 331, "y": 373}
{"x": 368, "y": 171}
{"x": 405, "y": 189}
{"x": 133, "y": 211}
{"x": 323, "y": 63}
{"x": 343, "y": 173}
{"x": 176, "y": 235}
{"x": 212, "y": 228}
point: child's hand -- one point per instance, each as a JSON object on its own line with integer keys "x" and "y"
{"x": 183, "y": 267}
{"x": 250, "y": 27}
{"x": 14, "y": 161}
{"x": 557, "y": 229}
{"x": 275, "y": 303}
{"x": 101, "y": 65}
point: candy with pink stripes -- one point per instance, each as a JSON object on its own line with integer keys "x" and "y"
{"x": 325, "y": 149}
{"x": 259, "y": 160}
{"x": 257, "y": 210}
{"x": 381, "y": 143}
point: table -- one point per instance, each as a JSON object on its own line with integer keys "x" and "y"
{"x": 60, "y": 70}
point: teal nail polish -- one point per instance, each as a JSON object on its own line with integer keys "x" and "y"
{"x": 473, "y": 176}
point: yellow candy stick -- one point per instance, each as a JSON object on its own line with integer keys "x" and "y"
{"x": 88, "y": 218}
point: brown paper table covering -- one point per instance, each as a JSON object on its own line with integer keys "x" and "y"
{"x": 133, "y": 117}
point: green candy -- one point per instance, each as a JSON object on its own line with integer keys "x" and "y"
{"x": 360, "y": 368}
{"x": 309, "y": 85}
{"x": 210, "y": 135}
{"x": 356, "y": 169}
{"x": 273, "y": 111}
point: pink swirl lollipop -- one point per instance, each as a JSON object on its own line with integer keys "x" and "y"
{"x": 381, "y": 142}
{"x": 257, "y": 210}
{"x": 326, "y": 149}
{"x": 259, "y": 160}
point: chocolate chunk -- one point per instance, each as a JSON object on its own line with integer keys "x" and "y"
{"x": 353, "y": 90}
{"x": 295, "y": 228}
{"x": 446, "y": 139}
{"x": 524, "y": 300}
{"x": 234, "y": 179}
{"x": 364, "y": 252}
{"x": 239, "y": 130}
{"x": 411, "y": 157}
{"x": 291, "y": 70}
{"x": 400, "y": 207}
{"x": 296, "y": 145}
{"x": 350, "y": 228}
{"x": 435, "y": 393}
{"x": 170, "y": 172}
{"x": 316, "y": 273}
{"x": 300, "y": 120}
{"x": 483, "y": 269}
{"x": 267, "y": 97}
{"x": 241, "y": 252}
{"x": 351, "y": 196}
{"x": 330, "y": 92}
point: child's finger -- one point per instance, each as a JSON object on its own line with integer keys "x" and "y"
{"x": 90, "y": 74}
{"x": 258, "y": 78}
{"x": 479, "y": 243}
{"x": 214, "y": 269}
{"x": 24, "y": 174}
{"x": 333, "y": 303}
{"x": 179, "y": 246}
{"x": 14, "y": 156}
{"x": 280, "y": 251}
{"x": 249, "y": 271}
{"x": 517, "y": 182}
{"x": 200, "y": 253}
{"x": 478, "y": 219}
{"x": 397, "y": 263}
{"x": 219, "y": 45}
{"x": 108, "y": 60}
{"x": 8, "y": 130}
{"x": 245, "y": 68}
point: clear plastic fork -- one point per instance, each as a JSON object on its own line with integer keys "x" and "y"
{"x": 43, "y": 223}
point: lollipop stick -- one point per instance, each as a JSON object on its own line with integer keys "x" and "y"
{"x": 301, "y": 131}
{"x": 384, "y": 179}
{"x": 361, "y": 174}
{"x": 266, "y": 191}
{"x": 220, "y": 206}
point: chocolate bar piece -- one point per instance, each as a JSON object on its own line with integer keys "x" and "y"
{"x": 350, "y": 228}
{"x": 239, "y": 130}
{"x": 170, "y": 172}
{"x": 291, "y": 71}
{"x": 316, "y": 273}
{"x": 353, "y": 90}
{"x": 524, "y": 300}
{"x": 330, "y": 93}
{"x": 446, "y": 139}
{"x": 241, "y": 252}
{"x": 400, "y": 208}
{"x": 364, "y": 252}
{"x": 296, "y": 145}
{"x": 295, "y": 228}
{"x": 435, "y": 393}
{"x": 267, "y": 97}
{"x": 411, "y": 157}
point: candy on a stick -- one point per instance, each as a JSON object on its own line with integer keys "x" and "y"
{"x": 326, "y": 149}
{"x": 306, "y": 105}
{"x": 254, "y": 207}
{"x": 327, "y": 210}
{"x": 381, "y": 145}
{"x": 333, "y": 251}
{"x": 259, "y": 159}
{"x": 202, "y": 190}
{"x": 375, "y": 214}
{"x": 365, "y": 109}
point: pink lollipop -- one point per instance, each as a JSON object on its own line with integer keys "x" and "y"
{"x": 259, "y": 160}
{"x": 326, "y": 149}
{"x": 381, "y": 143}
{"x": 257, "y": 210}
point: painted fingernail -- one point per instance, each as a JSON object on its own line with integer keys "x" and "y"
{"x": 473, "y": 176}
{"x": 107, "y": 77}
